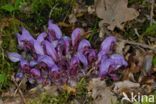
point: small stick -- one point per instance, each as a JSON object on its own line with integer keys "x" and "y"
{"x": 138, "y": 44}
{"x": 19, "y": 90}
{"x": 151, "y": 12}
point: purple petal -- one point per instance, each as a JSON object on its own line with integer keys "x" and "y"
{"x": 41, "y": 37}
{"x": 26, "y": 35}
{"x": 67, "y": 43}
{"x": 105, "y": 66}
{"x": 83, "y": 45}
{"x": 46, "y": 59}
{"x": 92, "y": 55}
{"x": 19, "y": 76}
{"x": 14, "y": 57}
{"x": 54, "y": 68}
{"x": 118, "y": 60}
{"x": 51, "y": 50}
{"x": 82, "y": 59}
{"x": 74, "y": 63}
{"x": 101, "y": 55}
{"x": 54, "y": 30}
{"x": 33, "y": 63}
{"x": 38, "y": 48}
{"x": 35, "y": 72}
{"x": 20, "y": 43}
{"x": 76, "y": 34}
{"x": 107, "y": 43}
{"x": 25, "y": 66}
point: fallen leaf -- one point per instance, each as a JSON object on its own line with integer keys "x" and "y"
{"x": 120, "y": 47}
{"x": 72, "y": 19}
{"x": 126, "y": 84}
{"x": 114, "y": 12}
{"x": 148, "y": 63}
{"x": 69, "y": 89}
{"x": 100, "y": 92}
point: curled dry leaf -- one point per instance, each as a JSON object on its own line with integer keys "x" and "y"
{"x": 119, "y": 86}
{"x": 100, "y": 92}
{"x": 148, "y": 63}
{"x": 114, "y": 12}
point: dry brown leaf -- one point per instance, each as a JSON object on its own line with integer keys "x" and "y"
{"x": 114, "y": 12}
{"x": 148, "y": 63}
{"x": 120, "y": 47}
{"x": 72, "y": 19}
{"x": 100, "y": 92}
{"x": 69, "y": 89}
{"x": 119, "y": 86}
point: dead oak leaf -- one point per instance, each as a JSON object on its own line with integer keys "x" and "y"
{"x": 100, "y": 92}
{"x": 114, "y": 12}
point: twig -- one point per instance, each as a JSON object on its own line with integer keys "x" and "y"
{"x": 19, "y": 90}
{"x": 151, "y": 12}
{"x": 138, "y": 44}
{"x": 52, "y": 9}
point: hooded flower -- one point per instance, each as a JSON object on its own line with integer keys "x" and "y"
{"x": 82, "y": 59}
{"x": 14, "y": 57}
{"x": 51, "y": 50}
{"x": 74, "y": 64}
{"x": 41, "y": 37}
{"x": 107, "y": 44}
{"x": 118, "y": 61}
{"x": 75, "y": 36}
{"x": 47, "y": 60}
{"x": 84, "y": 45}
{"x": 35, "y": 72}
{"x": 54, "y": 31}
{"x": 25, "y": 40}
{"x": 38, "y": 48}
{"x": 109, "y": 65}
{"x": 25, "y": 67}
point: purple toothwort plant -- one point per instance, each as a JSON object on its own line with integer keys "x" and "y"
{"x": 53, "y": 57}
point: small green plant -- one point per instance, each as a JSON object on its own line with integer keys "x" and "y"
{"x": 151, "y": 30}
{"x": 12, "y": 7}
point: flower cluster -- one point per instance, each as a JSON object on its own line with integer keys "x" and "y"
{"x": 108, "y": 62}
{"x": 53, "y": 56}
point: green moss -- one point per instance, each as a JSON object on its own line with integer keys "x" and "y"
{"x": 151, "y": 30}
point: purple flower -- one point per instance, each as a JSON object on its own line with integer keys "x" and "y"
{"x": 74, "y": 64}
{"x": 54, "y": 72}
{"x": 54, "y": 31}
{"x": 38, "y": 48}
{"x": 101, "y": 55}
{"x": 33, "y": 63}
{"x": 118, "y": 61}
{"x": 82, "y": 59}
{"x": 41, "y": 37}
{"x": 51, "y": 50}
{"x": 107, "y": 44}
{"x": 26, "y": 35}
{"x": 84, "y": 45}
{"x": 35, "y": 72}
{"x": 109, "y": 65}
{"x": 54, "y": 68}
{"x": 25, "y": 67}
{"x": 14, "y": 57}
{"x": 67, "y": 42}
{"x": 91, "y": 55}
{"x": 75, "y": 36}
{"x": 46, "y": 59}
{"x": 19, "y": 76}
{"x": 105, "y": 66}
